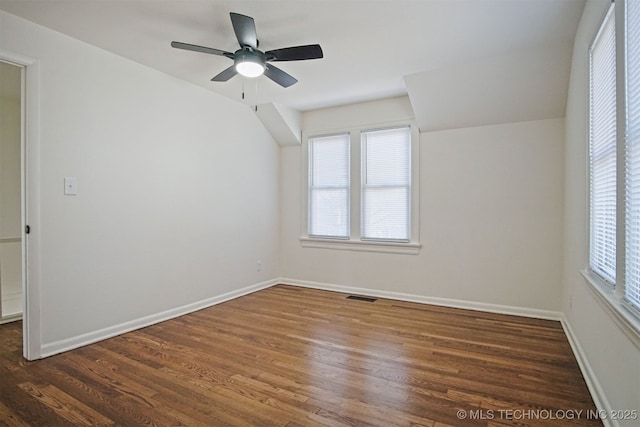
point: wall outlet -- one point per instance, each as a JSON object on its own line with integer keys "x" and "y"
{"x": 259, "y": 266}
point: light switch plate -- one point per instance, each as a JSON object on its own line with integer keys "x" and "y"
{"x": 70, "y": 186}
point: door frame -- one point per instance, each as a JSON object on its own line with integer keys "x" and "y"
{"x": 30, "y": 196}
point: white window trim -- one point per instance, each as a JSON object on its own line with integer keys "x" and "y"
{"x": 356, "y": 242}
{"x": 362, "y": 245}
{"x": 624, "y": 117}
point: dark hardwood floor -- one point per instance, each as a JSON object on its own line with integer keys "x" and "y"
{"x": 289, "y": 356}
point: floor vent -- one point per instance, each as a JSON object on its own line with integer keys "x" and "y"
{"x": 359, "y": 298}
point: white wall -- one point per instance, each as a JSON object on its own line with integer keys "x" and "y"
{"x": 10, "y": 220}
{"x": 177, "y": 188}
{"x": 491, "y": 211}
{"x": 610, "y": 354}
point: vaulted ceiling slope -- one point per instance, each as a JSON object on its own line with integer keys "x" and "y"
{"x": 439, "y": 52}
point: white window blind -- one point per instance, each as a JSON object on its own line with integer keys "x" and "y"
{"x": 602, "y": 151}
{"x": 386, "y": 184}
{"x": 329, "y": 188}
{"x": 632, "y": 155}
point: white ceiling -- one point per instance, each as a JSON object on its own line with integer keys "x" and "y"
{"x": 370, "y": 46}
{"x": 531, "y": 84}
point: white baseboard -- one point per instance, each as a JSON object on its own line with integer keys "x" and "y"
{"x": 10, "y": 318}
{"x": 445, "y": 302}
{"x": 12, "y": 304}
{"x": 60, "y": 346}
{"x": 597, "y": 394}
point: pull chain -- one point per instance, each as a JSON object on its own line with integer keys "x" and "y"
{"x": 256, "y": 97}
{"x": 255, "y": 107}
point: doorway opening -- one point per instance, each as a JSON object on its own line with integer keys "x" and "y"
{"x": 12, "y": 264}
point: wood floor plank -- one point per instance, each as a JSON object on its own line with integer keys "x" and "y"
{"x": 181, "y": 396}
{"x": 9, "y": 418}
{"x": 65, "y": 406}
{"x": 290, "y": 356}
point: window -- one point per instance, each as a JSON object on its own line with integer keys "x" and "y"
{"x": 386, "y": 184}
{"x": 632, "y": 156}
{"x": 614, "y": 254}
{"x": 329, "y": 186}
{"x": 602, "y": 151}
{"x": 380, "y": 162}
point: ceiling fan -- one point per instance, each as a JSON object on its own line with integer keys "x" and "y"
{"x": 249, "y": 61}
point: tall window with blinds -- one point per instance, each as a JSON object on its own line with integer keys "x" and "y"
{"x": 632, "y": 156}
{"x": 602, "y": 151}
{"x": 386, "y": 184}
{"x": 329, "y": 186}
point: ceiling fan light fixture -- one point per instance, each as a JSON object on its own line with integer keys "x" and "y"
{"x": 250, "y": 69}
{"x": 249, "y": 65}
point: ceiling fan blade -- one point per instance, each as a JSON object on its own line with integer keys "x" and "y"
{"x": 295, "y": 53}
{"x": 225, "y": 75}
{"x": 279, "y": 76}
{"x": 245, "y": 29}
{"x": 196, "y": 48}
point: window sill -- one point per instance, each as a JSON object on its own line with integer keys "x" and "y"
{"x": 363, "y": 246}
{"x": 619, "y": 312}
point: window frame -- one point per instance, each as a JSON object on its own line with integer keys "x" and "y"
{"x": 612, "y": 298}
{"x": 355, "y": 242}
{"x": 623, "y": 148}
{"x": 364, "y": 185}
{"x": 311, "y": 187}
{"x": 609, "y": 278}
